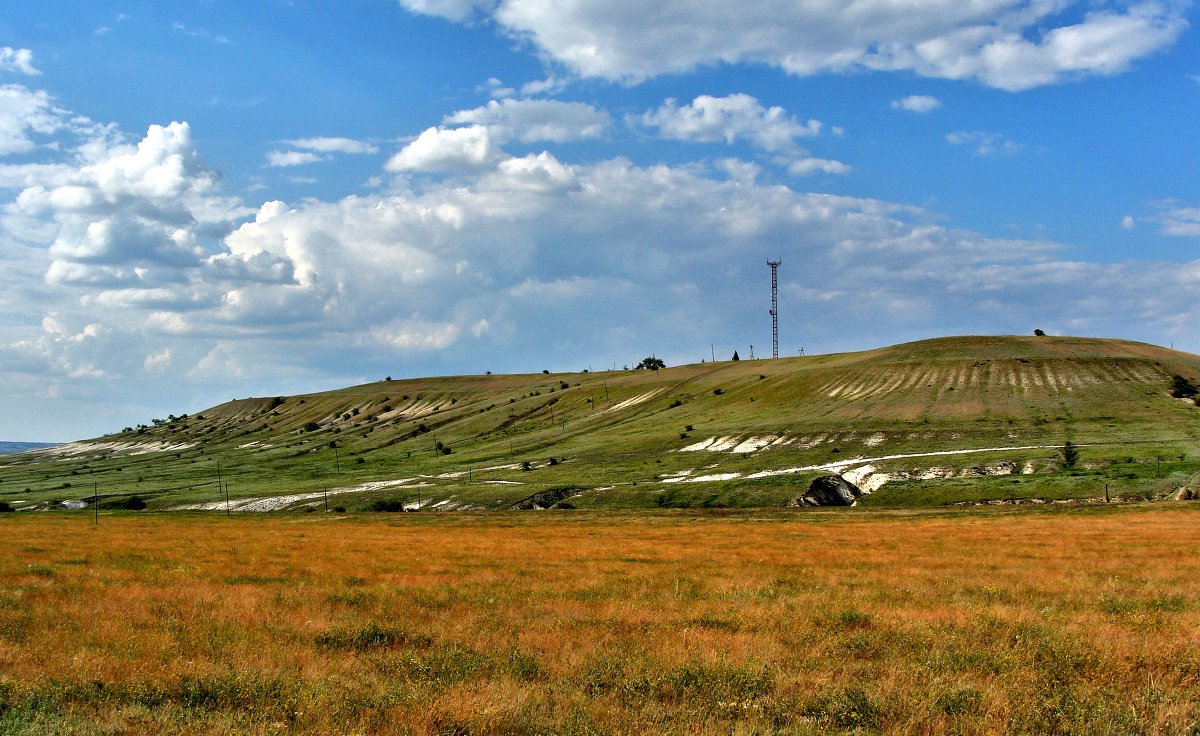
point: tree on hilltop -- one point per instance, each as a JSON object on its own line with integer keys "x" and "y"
{"x": 651, "y": 363}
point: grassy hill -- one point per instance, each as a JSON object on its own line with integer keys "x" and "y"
{"x": 951, "y": 420}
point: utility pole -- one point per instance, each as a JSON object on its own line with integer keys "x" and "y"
{"x": 774, "y": 307}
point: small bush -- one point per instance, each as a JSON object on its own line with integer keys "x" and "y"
{"x": 1070, "y": 455}
{"x": 1182, "y": 388}
{"x": 718, "y": 391}
{"x": 311, "y": 427}
{"x": 6, "y": 507}
{"x": 389, "y": 506}
{"x": 133, "y": 503}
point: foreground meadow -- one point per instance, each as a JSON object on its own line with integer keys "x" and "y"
{"x": 1066, "y": 621}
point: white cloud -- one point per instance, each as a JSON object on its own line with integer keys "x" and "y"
{"x": 496, "y": 89}
{"x": 1177, "y": 219}
{"x": 446, "y": 149}
{"x": 917, "y": 104}
{"x": 543, "y": 86}
{"x": 292, "y": 158}
{"x": 417, "y": 335}
{"x": 809, "y": 166}
{"x": 451, "y": 9}
{"x": 24, "y": 112}
{"x": 983, "y": 142}
{"x": 157, "y": 362}
{"x": 1128, "y": 223}
{"x": 131, "y": 216}
{"x": 1003, "y": 43}
{"x": 332, "y": 145}
{"x": 17, "y": 60}
{"x": 535, "y": 120}
{"x": 710, "y": 119}
{"x": 201, "y": 33}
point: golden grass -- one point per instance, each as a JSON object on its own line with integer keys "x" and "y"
{"x": 1034, "y": 622}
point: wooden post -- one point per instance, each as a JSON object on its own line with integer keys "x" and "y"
{"x": 96, "y": 500}
{"x": 1106, "y": 493}
{"x": 327, "y": 499}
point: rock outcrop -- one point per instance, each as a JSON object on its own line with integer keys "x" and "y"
{"x": 830, "y": 490}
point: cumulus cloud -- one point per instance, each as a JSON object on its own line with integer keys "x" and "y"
{"x": 25, "y": 113}
{"x": 983, "y": 143}
{"x": 446, "y": 149}
{"x": 17, "y": 60}
{"x": 709, "y": 119}
{"x": 809, "y": 166}
{"x": 332, "y": 145}
{"x": 137, "y": 207}
{"x": 535, "y": 120}
{"x": 292, "y": 158}
{"x": 1002, "y": 43}
{"x": 1177, "y": 219}
{"x": 451, "y": 9}
{"x": 917, "y": 103}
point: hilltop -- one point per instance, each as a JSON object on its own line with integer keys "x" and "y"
{"x": 957, "y": 419}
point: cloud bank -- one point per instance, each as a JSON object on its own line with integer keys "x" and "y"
{"x": 1008, "y": 44}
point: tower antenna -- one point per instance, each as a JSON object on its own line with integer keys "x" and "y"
{"x": 774, "y": 307}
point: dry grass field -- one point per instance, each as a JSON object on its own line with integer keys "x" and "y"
{"x": 1083, "y": 621}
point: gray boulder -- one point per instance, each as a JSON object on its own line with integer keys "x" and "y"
{"x": 830, "y": 490}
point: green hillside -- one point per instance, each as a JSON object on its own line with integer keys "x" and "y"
{"x": 976, "y": 419}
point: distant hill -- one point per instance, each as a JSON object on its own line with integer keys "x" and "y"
{"x": 11, "y": 447}
{"x": 945, "y": 420}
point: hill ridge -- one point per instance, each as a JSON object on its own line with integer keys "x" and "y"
{"x": 629, "y": 432}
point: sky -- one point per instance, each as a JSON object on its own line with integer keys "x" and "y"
{"x": 208, "y": 200}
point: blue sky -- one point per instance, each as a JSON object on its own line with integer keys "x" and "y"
{"x": 209, "y": 200}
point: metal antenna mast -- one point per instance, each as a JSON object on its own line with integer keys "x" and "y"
{"x": 774, "y": 308}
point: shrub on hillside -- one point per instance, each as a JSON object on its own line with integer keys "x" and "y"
{"x": 133, "y": 503}
{"x": 390, "y": 506}
{"x": 1182, "y": 388}
{"x": 1070, "y": 454}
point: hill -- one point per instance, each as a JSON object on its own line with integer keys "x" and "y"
{"x": 950, "y": 420}
{"x": 7, "y": 448}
